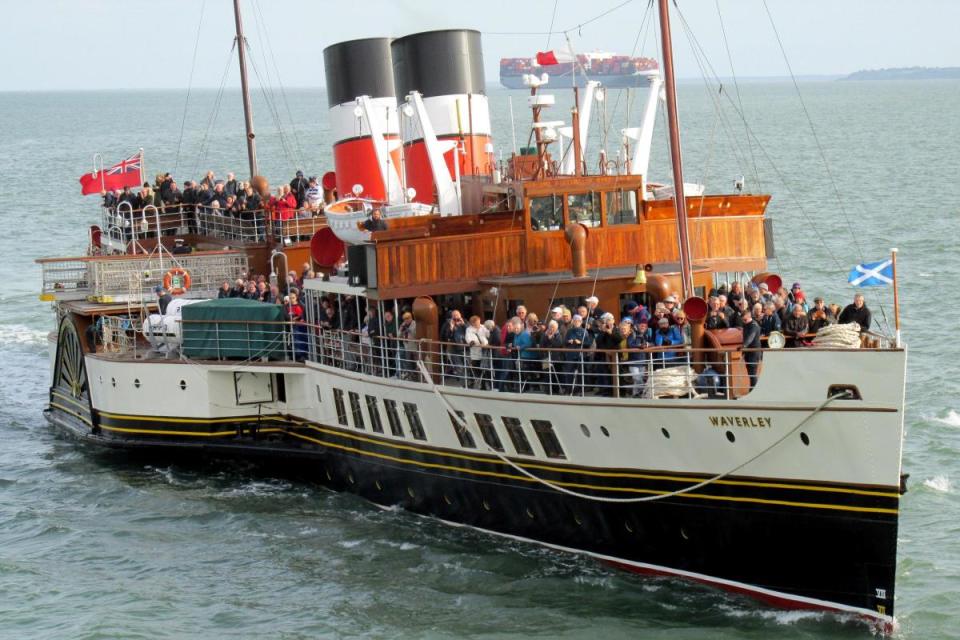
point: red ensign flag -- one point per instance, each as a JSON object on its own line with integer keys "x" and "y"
{"x": 127, "y": 173}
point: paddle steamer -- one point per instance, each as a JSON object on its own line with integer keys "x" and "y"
{"x": 788, "y": 491}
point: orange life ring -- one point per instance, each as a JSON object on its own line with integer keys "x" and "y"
{"x": 177, "y": 281}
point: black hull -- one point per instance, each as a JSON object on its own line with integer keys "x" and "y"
{"x": 793, "y": 545}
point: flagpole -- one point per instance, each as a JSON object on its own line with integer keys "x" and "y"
{"x": 103, "y": 184}
{"x": 143, "y": 167}
{"x": 896, "y": 297}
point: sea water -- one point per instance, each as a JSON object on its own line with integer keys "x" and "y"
{"x": 94, "y": 545}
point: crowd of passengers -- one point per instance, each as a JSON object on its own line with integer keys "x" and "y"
{"x": 574, "y": 348}
{"x": 302, "y": 197}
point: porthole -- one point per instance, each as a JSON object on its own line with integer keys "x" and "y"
{"x": 113, "y": 381}
{"x": 683, "y": 534}
{"x": 377, "y": 484}
{"x": 350, "y": 478}
{"x": 411, "y": 493}
{"x": 804, "y": 438}
{"x": 626, "y": 525}
{"x": 100, "y": 378}
{"x": 585, "y": 429}
{"x": 666, "y": 434}
{"x": 486, "y": 505}
{"x": 577, "y": 519}
{"x": 731, "y": 437}
{"x": 604, "y": 431}
{"x": 136, "y": 382}
{"x": 183, "y": 385}
{"x": 447, "y": 499}
{"x": 329, "y": 477}
{"x": 529, "y": 514}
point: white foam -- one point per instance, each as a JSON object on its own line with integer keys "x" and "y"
{"x": 350, "y": 544}
{"x": 939, "y": 483}
{"x": 21, "y": 334}
{"x": 952, "y": 419}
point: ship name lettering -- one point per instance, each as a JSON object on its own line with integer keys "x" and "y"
{"x": 759, "y": 422}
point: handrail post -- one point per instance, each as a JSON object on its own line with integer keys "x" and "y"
{"x": 616, "y": 374}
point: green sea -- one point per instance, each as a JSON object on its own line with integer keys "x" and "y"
{"x": 97, "y": 545}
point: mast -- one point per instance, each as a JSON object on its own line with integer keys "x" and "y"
{"x": 679, "y": 199}
{"x": 247, "y": 108}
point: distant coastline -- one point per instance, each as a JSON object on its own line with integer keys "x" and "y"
{"x": 906, "y": 73}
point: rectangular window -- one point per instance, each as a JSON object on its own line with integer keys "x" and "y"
{"x": 462, "y": 431}
{"x": 413, "y": 420}
{"x": 374, "y": 411}
{"x": 621, "y": 207}
{"x": 393, "y": 417}
{"x": 488, "y": 431}
{"x": 584, "y": 208}
{"x": 341, "y": 407}
{"x": 355, "y": 409}
{"x": 517, "y": 436}
{"x": 546, "y": 213}
{"x": 547, "y": 437}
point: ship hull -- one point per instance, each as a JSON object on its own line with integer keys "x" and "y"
{"x": 740, "y": 538}
{"x": 812, "y": 527}
{"x": 625, "y": 81}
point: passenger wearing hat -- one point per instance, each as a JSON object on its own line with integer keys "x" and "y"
{"x": 666, "y": 335}
{"x": 593, "y": 308}
{"x": 163, "y": 299}
{"x": 298, "y": 187}
{"x": 765, "y": 294}
{"x": 820, "y": 315}
{"x": 180, "y": 247}
{"x": 670, "y": 302}
{"x": 314, "y": 195}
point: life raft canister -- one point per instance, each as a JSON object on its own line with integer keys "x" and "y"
{"x": 177, "y": 281}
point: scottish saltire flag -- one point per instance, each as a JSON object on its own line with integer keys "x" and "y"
{"x": 872, "y": 274}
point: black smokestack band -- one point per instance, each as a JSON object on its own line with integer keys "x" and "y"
{"x": 358, "y": 68}
{"x": 438, "y": 63}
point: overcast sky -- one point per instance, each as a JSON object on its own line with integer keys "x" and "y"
{"x": 113, "y": 44}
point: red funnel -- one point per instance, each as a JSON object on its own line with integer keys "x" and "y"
{"x": 326, "y": 248}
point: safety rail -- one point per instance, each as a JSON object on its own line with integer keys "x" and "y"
{"x": 298, "y": 229}
{"x": 655, "y": 372}
{"x": 123, "y": 225}
{"x": 250, "y": 227}
{"x": 64, "y": 278}
{"x": 121, "y": 278}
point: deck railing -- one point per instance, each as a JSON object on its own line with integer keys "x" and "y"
{"x": 122, "y": 225}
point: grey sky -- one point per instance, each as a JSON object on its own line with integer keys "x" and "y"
{"x": 113, "y": 44}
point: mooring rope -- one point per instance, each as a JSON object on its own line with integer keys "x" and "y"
{"x": 463, "y": 425}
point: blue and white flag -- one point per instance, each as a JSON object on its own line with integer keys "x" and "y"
{"x": 872, "y": 274}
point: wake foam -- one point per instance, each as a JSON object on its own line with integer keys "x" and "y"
{"x": 21, "y": 334}
{"x": 939, "y": 483}
{"x": 952, "y": 419}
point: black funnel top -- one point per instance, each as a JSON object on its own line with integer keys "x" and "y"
{"x": 358, "y": 68}
{"x": 438, "y": 63}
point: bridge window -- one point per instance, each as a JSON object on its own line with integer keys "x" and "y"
{"x": 517, "y": 436}
{"x": 341, "y": 407}
{"x": 374, "y": 411}
{"x": 355, "y": 409}
{"x": 547, "y": 437}
{"x": 462, "y": 431}
{"x": 393, "y": 417}
{"x": 621, "y": 207}
{"x": 584, "y": 208}
{"x": 413, "y": 419}
{"x": 488, "y": 431}
{"x": 546, "y": 213}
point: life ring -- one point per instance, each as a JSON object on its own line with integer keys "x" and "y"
{"x": 177, "y": 281}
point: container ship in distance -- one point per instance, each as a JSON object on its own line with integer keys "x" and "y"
{"x": 612, "y": 70}
{"x": 769, "y": 472}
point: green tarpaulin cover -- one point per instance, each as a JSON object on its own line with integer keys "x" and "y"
{"x": 232, "y": 328}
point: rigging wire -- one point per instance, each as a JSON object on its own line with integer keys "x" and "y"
{"x": 553, "y": 19}
{"x": 186, "y": 102}
{"x": 283, "y": 92}
{"x": 204, "y": 147}
{"x": 736, "y": 87}
{"x": 553, "y": 31}
{"x": 274, "y": 114}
